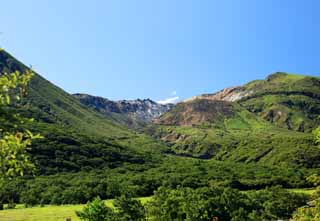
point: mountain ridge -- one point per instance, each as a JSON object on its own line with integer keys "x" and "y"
{"x": 137, "y": 111}
{"x": 281, "y": 89}
{"x": 76, "y": 137}
{"x": 264, "y": 121}
{"x": 222, "y": 126}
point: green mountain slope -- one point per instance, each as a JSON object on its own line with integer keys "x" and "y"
{"x": 51, "y": 104}
{"x": 287, "y": 100}
{"x": 76, "y": 137}
{"x": 86, "y": 154}
{"x": 262, "y": 121}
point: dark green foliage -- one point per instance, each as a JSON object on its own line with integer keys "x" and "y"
{"x": 69, "y": 151}
{"x": 226, "y": 204}
{"x": 96, "y": 211}
{"x": 129, "y": 209}
{"x": 143, "y": 180}
{"x": 126, "y": 208}
{"x": 275, "y": 203}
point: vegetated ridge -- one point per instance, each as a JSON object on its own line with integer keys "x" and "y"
{"x": 267, "y": 121}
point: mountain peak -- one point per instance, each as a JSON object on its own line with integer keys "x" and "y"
{"x": 230, "y": 94}
{"x": 276, "y": 75}
{"x": 142, "y": 110}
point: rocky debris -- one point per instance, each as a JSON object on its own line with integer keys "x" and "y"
{"x": 230, "y": 94}
{"x": 141, "y": 109}
{"x": 198, "y": 112}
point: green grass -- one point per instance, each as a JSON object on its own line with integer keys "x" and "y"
{"x": 49, "y": 213}
{"x": 60, "y": 213}
{"x": 308, "y": 191}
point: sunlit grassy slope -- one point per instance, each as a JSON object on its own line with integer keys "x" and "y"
{"x": 75, "y": 136}
{"x": 49, "y": 213}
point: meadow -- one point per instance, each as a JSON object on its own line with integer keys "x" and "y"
{"x": 49, "y": 212}
{"x": 63, "y": 212}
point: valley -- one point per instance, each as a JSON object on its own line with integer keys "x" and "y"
{"x": 257, "y": 137}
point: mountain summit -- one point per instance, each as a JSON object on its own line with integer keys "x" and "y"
{"x": 266, "y": 121}
{"x": 285, "y": 100}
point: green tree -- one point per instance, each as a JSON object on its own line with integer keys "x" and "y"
{"x": 96, "y": 211}
{"x": 129, "y": 209}
{"x": 14, "y": 141}
{"x": 201, "y": 204}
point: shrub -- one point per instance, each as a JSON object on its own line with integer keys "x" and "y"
{"x": 96, "y": 211}
{"x": 129, "y": 209}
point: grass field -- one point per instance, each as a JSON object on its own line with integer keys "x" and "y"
{"x": 48, "y": 213}
{"x": 61, "y": 213}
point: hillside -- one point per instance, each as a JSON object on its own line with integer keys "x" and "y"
{"x": 266, "y": 121}
{"x": 76, "y": 137}
{"x": 261, "y": 121}
{"x": 286, "y": 100}
{"x": 88, "y": 151}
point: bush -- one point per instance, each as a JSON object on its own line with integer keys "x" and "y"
{"x": 129, "y": 209}
{"x": 225, "y": 203}
{"x": 11, "y": 205}
{"x": 308, "y": 213}
{"x": 96, "y": 211}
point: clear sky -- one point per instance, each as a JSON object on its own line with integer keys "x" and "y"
{"x": 159, "y": 49}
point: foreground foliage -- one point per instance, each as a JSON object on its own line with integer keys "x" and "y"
{"x": 95, "y": 211}
{"x": 144, "y": 179}
{"x": 125, "y": 208}
{"x": 14, "y": 141}
{"x": 224, "y": 203}
{"x": 202, "y": 204}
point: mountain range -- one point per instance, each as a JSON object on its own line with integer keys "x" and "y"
{"x": 247, "y": 137}
{"x": 264, "y": 121}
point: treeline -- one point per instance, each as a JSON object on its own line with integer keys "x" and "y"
{"x": 143, "y": 180}
{"x": 202, "y": 204}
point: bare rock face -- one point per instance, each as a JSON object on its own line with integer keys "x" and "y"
{"x": 205, "y": 108}
{"x": 197, "y": 112}
{"x": 230, "y": 94}
{"x": 142, "y": 110}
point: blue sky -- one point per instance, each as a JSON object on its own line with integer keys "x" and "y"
{"x": 161, "y": 49}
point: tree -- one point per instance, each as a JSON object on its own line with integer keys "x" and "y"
{"x": 14, "y": 143}
{"x": 96, "y": 211}
{"x": 129, "y": 209}
{"x": 202, "y": 204}
{"x": 226, "y": 204}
